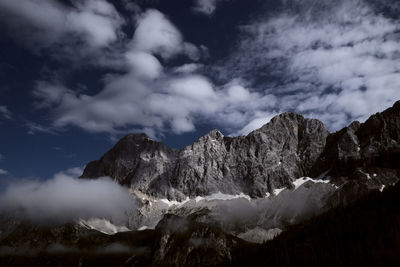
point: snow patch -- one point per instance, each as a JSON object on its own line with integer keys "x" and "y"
{"x": 221, "y": 196}
{"x": 298, "y": 182}
{"x": 102, "y": 225}
{"x": 277, "y": 191}
{"x": 171, "y": 203}
{"x": 163, "y": 156}
{"x": 144, "y": 227}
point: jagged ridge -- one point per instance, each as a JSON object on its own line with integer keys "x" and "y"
{"x": 268, "y": 158}
{"x": 288, "y": 147}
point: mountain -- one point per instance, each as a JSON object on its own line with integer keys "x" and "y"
{"x": 266, "y": 159}
{"x": 358, "y": 158}
{"x": 288, "y": 193}
{"x": 363, "y": 156}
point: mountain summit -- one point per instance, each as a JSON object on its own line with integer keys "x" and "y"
{"x": 256, "y": 164}
{"x": 272, "y": 157}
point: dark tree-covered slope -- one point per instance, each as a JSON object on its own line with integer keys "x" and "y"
{"x": 365, "y": 233}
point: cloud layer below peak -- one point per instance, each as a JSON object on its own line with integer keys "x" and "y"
{"x": 65, "y": 198}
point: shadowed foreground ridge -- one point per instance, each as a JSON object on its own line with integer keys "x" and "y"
{"x": 365, "y": 233}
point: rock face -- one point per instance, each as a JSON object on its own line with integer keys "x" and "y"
{"x": 363, "y": 156}
{"x": 268, "y": 158}
{"x": 288, "y": 147}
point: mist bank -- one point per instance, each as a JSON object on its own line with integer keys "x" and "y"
{"x": 65, "y": 198}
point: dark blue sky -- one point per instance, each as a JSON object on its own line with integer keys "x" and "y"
{"x": 75, "y": 76}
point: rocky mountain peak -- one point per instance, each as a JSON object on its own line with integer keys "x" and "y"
{"x": 215, "y": 134}
{"x": 288, "y": 147}
{"x": 268, "y": 158}
{"x": 131, "y": 153}
{"x": 212, "y": 136}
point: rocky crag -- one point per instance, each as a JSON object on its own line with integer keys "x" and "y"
{"x": 360, "y": 157}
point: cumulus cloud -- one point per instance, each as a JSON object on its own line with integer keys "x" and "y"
{"x": 45, "y": 23}
{"x": 148, "y": 96}
{"x": 156, "y": 34}
{"x": 64, "y": 198}
{"x": 334, "y": 61}
{"x": 5, "y": 113}
{"x": 173, "y": 102}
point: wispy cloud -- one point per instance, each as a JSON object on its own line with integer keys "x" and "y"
{"x": 3, "y": 172}
{"x": 34, "y": 128}
{"x": 334, "y": 61}
{"x": 5, "y": 113}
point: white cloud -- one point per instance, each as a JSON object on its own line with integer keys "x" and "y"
{"x": 254, "y": 124}
{"x": 3, "y": 172}
{"x": 238, "y": 93}
{"x": 192, "y": 87}
{"x": 95, "y": 22}
{"x": 149, "y": 97}
{"x": 337, "y": 61}
{"x": 156, "y": 34}
{"x": 129, "y": 103}
{"x": 5, "y": 113}
{"x": 65, "y": 198}
{"x": 187, "y": 68}
{"x": 144, "y": 65}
